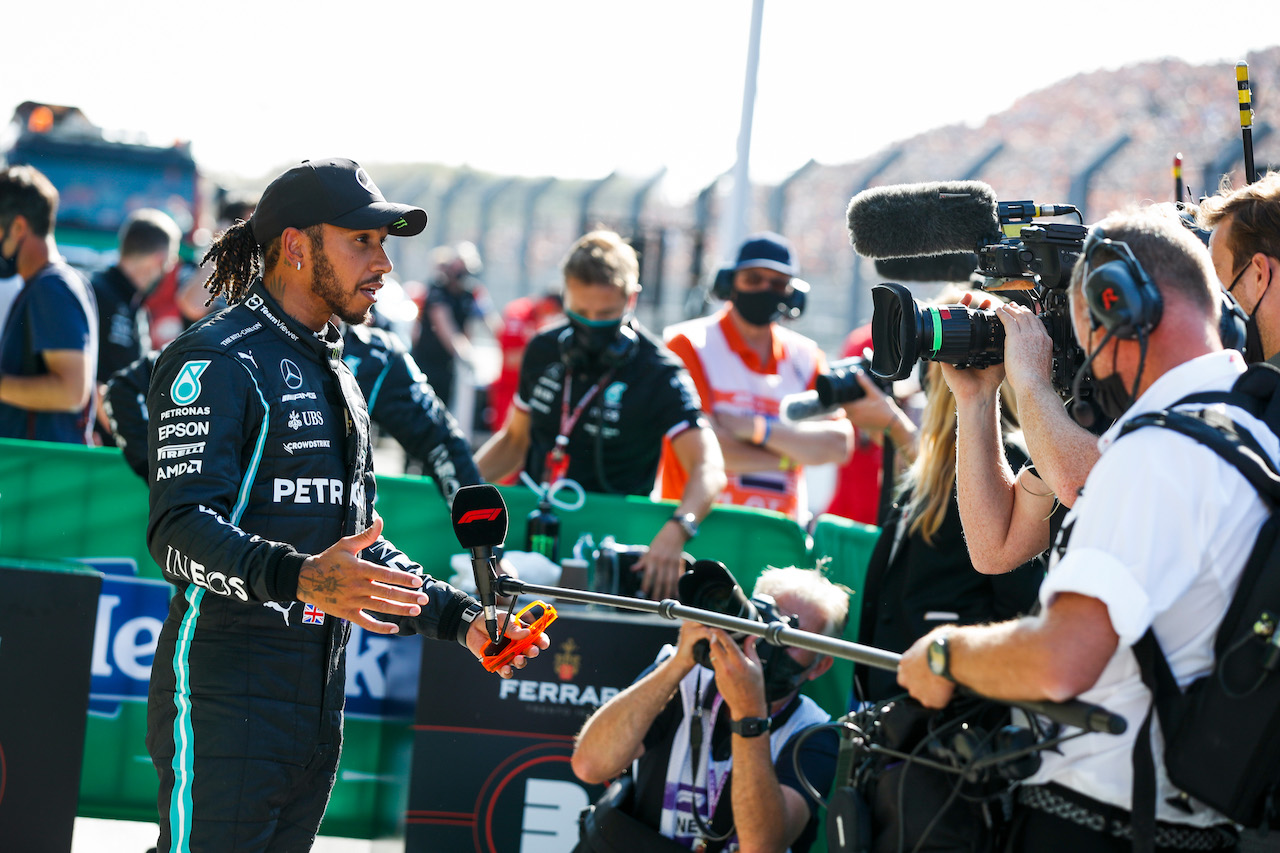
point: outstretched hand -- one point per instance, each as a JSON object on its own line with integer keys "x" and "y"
{"x": 342, "y": 584}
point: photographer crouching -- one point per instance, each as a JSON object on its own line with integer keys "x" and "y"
{"x": 707, "y": 736}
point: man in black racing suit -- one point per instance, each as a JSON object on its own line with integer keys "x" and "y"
{"x": 400, "y": 401}
{"x": 262, "y": 496}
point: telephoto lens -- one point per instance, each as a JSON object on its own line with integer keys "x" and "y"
{"x": 904, "y": 330}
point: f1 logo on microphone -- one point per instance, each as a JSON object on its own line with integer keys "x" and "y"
{"x": 480, "y": 515}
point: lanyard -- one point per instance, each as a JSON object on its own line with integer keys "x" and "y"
{"x": 569, "y": 420}
{"x": 557, "y": 462}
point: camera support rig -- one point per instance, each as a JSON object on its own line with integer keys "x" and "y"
{"x": 1081, "y": 715}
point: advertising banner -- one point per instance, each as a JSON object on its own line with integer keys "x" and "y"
{"x": 491, "y": 756}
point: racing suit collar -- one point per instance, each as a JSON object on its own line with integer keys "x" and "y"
{"x": 325, "y": 345}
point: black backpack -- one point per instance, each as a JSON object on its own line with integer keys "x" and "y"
{"x": 1222, "y": 735}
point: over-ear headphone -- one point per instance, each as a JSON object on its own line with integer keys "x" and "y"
{"x": 722, "y": 285}
{"x": 795, "y": 301}
{"x": 619, "y": 351}
{"x": 1121, "y": 297}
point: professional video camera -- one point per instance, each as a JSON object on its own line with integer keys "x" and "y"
{"x": 1027, "y": 262}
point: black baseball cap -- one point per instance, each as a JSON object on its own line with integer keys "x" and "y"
{"x": 335, "y": 192}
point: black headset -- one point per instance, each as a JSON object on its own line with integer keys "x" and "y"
{"x": 1121, "y": 297}
{"x": 794, "y": 302}
{"x": 619, "y": 351}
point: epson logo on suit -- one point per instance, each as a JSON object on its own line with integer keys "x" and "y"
{"x": 382, "y": 675}
{"x": 183, "y": 429}
{"x": 308, "y": 490}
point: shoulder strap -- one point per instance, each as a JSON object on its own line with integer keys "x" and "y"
{"x": 1238, "y": 447}
{"x": 1225, "y": 437}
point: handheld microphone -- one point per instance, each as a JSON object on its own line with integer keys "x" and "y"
{"x": 953, "y": 266}
{"x": 480, "y": 522}
{"x": 937, "y": 218}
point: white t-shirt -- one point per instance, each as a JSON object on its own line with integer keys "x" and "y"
{"x": 1160, "y": 535}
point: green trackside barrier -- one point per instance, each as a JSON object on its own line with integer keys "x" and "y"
{"x": 67, "y": 502}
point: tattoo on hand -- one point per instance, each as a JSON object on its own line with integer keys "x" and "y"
{"x": 320, "y": 580}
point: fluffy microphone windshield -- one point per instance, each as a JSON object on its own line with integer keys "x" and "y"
{"x": 908, "y": 220}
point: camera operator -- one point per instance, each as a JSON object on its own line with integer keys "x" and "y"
{"x": 919, "y": 573}
{"x": 1148, "y": 544}
{"x": 1245, "y": 247}
{"x": 736, "y": 782}
{"x": 1006, "y": 515}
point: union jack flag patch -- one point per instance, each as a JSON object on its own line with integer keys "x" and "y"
{"x": 312, "y": 615}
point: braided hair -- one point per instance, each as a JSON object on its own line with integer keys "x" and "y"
{"x": 237, "y": 260}
{"x": 236, "y": 263}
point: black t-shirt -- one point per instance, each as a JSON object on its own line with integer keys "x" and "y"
{"x": 463, "y": 305}
{"x": 615, "y": 444}
{"x": 817, "y": 760}
{"x": 927, "y": 585}
{"x": 123, "y": 334}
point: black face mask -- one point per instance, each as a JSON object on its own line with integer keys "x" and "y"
{"x": 1112, "y": 395}
{"x": 783, "y": 675}
{"x": 759, "y": 307}
{"x": 9, "y": 265}
{"x": 1252, "y": 341}
{"x": 593, "y": 337}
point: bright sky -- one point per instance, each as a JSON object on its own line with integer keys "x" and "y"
{"x": 578, "y": 88}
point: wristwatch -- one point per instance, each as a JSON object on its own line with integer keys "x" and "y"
{"x": 940, "y": 657}
{"x": 751, "y": 726}
{"x": 688, "y": 523}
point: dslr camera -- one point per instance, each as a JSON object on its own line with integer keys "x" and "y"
{"x": 1030, "y": 264}
{"x": 839, "y": 385}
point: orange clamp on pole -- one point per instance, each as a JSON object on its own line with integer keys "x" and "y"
{"x": 496, "y": 657}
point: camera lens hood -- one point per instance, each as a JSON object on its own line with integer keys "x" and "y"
{"x": 895, "y": 331}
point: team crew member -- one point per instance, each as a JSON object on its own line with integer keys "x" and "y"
{"x": 735, "y": 779}
{"x": 148, "y": 251}
{"x": 1147, "y": 545}
{"x": 743, "y": 363}
{"x": 49, "y": 342}
{"x": 262, "y": 496}
{"x": 596, "y": 398}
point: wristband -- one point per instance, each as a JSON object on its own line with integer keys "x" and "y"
{"x": 768, "y": 430}
{"x": 759, "y": 430}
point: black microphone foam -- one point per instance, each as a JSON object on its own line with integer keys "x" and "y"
{"x": 954, "y": 266}
{"x": 479, "y": 516}
{"x": 937, "y": 218}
